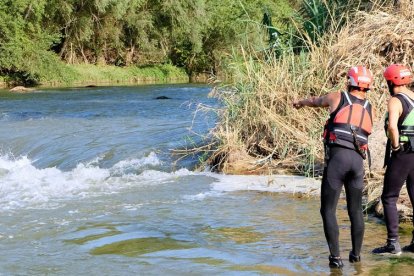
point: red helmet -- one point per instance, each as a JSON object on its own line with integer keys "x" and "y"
{"x": 360, "y": 76}
{"x": 398, "y": 74}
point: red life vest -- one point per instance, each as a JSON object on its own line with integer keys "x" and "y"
{"x": 350, "y": 124}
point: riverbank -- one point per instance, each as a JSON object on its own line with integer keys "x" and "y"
{"x": 260, "y": 132}
{"x": 89, "y": 74}
{"x": 241, "y": 163}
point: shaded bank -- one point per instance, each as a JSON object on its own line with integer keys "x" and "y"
{"x": 88, "y": 74}
{"x": 39, "y": 38}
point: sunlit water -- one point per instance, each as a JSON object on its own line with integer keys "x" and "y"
{"x": 88, "y": 187}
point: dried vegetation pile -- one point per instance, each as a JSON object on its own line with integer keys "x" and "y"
{"x": 261, "y": 132}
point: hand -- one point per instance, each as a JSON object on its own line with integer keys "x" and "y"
{"x": 397, "y": 148}
{"x": 297, "y": 104}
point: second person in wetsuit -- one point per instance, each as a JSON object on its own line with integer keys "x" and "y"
{"x": 346, "y": 145}
{"x": 400, "y": 164}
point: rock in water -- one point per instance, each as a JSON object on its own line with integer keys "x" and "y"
{"x": 162, "y": 98}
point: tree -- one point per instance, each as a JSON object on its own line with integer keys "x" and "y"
{"x": 194, "y": 34}
{"x": 24, "y": 44}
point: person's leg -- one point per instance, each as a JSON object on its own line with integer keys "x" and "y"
{"x": 395, "y": 176}
{"x": 410, "y": 189}
{"x": 332, "y": 182}
{"x": 354, "y": 205}
{"x": 354, "y": 184}
{"x": 329, "y": 201}
{"x": 410, "y": 186}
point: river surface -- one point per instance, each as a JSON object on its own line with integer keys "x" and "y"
{"x": 88, "y": 186}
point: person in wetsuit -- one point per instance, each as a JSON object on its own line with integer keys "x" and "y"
{"x": 400, "y": 164}
{"x": 346, "y": 146}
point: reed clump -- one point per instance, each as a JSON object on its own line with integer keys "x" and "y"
{"x": 259, "y": 123}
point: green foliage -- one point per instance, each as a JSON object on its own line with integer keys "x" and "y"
{"x": 87, "y": 73}
{"x": 197, "y": 35}
{"x": 24, "y": 55}
{"x": 317, "y": 17}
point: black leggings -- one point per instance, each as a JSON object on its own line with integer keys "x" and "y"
{"x": 399, "y": 170}
{"x": 344, "y": 166}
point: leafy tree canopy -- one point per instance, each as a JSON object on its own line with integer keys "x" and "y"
{"x": 38, "y": 37}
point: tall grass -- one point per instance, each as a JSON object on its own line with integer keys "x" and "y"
{"x": 259, "y": 118}
{"x": 132, "y": 74}
{"x": 89, "y": 74}
{"x": 86, "y": 74}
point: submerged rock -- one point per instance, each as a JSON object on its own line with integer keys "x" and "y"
{"x": 162, "y": 98}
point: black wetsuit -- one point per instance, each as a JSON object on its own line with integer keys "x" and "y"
{"x": 400, "y": 169}
{"x": 344, "y": 167}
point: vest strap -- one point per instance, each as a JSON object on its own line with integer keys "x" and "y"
{"x": 347, "y": 98}
{"x": 365, "y": 138}
{"x": 346, "y": 126}
{"x": 409, "y": 128}
{"x": 408, "y": 99}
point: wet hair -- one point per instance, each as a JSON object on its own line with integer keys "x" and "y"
{"x": 391, "y": 86}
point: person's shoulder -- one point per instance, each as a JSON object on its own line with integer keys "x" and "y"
{"x": 333, "y": 99}
{"x": 395, "y": 101}
{"x": 338, "y": 92}
{"x": 411, "y": 94}
{"x": 396, "y": 97}
{"x": 334, "y": 94}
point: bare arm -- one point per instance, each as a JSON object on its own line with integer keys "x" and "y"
{"x": 394, "y": 112}
{"x": 330, "y": 100}
{"x": 373, "y": 114}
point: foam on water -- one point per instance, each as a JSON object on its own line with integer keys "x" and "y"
{"x": 126, "y": 166}
{"x": 273, "y": 183}
{"x": 202, "y": 196}
{"x": 23, "y": 185}
{"x": 4, "y": 116}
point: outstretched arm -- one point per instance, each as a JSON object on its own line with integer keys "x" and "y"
{"x": 327, "y": 100}
{"x": 311, "y": 102}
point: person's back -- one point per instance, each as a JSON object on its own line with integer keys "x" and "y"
{"x": 346, "y": 145}
{"x": 346, "y": 151}
{"x": 400, "y": 164}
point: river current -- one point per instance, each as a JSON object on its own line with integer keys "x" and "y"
{"x": 88, "y": 186}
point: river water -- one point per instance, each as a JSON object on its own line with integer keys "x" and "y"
{"x": 88, "y": 186}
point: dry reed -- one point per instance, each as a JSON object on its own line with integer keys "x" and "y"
{"x": 259, "y": 130}
{"x": 259, "y": 122}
